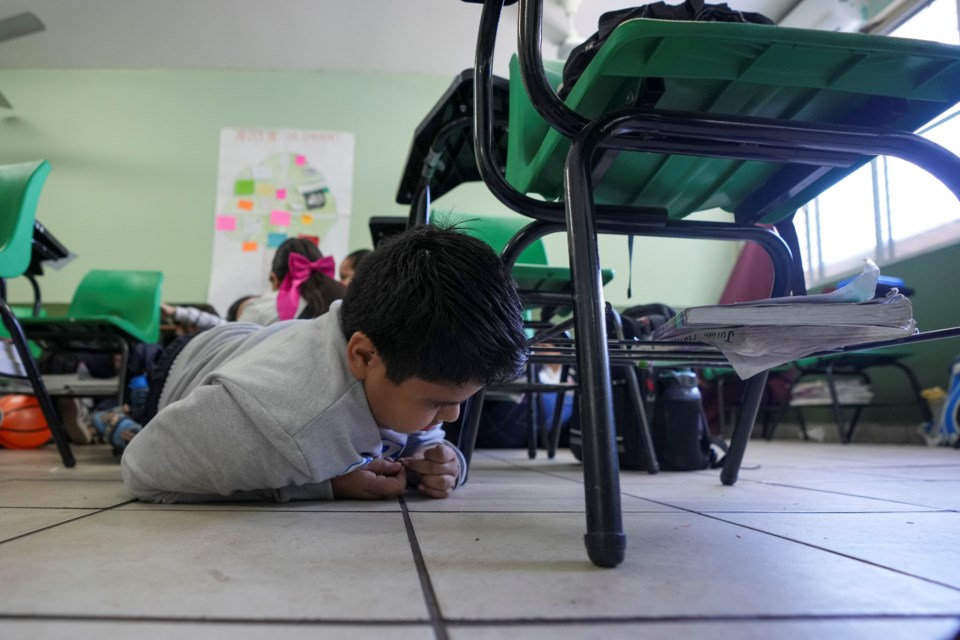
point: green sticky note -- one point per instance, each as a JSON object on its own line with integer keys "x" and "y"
{"x": 243, "y": 188}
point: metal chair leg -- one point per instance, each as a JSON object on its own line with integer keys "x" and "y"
{"x": 469, "y": 426}
{"x": 605, "y": 540}
{"x": 746, "y": 419}
{"x": 36, "y": 383}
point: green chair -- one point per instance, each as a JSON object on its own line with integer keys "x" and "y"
{"x": 688, "y": 116}
{"x": 20, "y": 186}
{"x": 111, "y": 310}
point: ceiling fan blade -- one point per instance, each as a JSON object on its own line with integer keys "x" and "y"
{"x": 4, "y": 104}
{"x": 22, "y": 24}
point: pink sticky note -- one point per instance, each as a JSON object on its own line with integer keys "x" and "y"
{"x": 281, "y": 194}
{"x": 280, "y": 218}
{"x": 301, "y": 160}
{"x": 226, "y": 223}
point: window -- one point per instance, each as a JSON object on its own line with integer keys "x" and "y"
{"x": 889, "y": 209}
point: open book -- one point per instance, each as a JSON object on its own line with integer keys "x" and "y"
{"x": 759, "y": 335}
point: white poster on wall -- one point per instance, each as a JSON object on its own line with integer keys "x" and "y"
{"x": 274, "y": 184}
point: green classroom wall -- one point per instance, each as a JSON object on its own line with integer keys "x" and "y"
{"x": 134, "y": 165}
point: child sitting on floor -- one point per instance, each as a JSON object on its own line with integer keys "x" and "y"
{"x": 347, "y": 405}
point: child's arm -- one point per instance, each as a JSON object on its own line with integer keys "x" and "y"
{"x": 204, "y": 448}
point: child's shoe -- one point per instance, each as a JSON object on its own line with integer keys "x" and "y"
{"x": 122, "y": 433}
{"x": 116, "y": 428}
{"x": 76, "y": 419}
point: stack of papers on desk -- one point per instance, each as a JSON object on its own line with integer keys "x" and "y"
{"x": 760, "y": 335}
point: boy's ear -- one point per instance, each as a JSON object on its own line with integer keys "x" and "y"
{"x": 360, "y": 355}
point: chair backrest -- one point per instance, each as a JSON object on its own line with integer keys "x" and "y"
{"x": 131, "y": 296}
{"x": 497, "y": 232}
{"x": 20, "y": 186}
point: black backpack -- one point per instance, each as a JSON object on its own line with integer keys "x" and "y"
{"x": 693, "y": 10}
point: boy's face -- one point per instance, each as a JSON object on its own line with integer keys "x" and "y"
{"x": 412, "y": 405}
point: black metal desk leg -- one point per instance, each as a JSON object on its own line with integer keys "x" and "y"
{"x": 57, "y": 429}
{"x": 469, "y": 426}
{"x": 605, "y": 541}
{"x": 747, "y": 417}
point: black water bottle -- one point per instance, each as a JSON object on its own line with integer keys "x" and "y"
{"x": 678, "y": 429}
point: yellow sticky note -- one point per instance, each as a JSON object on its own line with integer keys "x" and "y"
{"x": 306, "y": 218}
{"x": 265, "y": 189}
{"x": 249, "y": 246}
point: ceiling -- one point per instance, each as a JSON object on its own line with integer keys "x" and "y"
{"x": 389, "y": 36}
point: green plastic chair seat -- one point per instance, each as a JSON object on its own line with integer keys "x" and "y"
{"x": 123, "y": 304}
{"x": 731, "y": 69}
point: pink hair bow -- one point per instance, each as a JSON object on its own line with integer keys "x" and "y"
{"x": 300, "y": 268}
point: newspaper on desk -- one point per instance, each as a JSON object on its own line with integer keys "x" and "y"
{"x": 753, "y": 348}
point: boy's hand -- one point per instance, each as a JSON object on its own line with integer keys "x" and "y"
{"x": 379, "y": 479}
{"x": 438, "y": 468}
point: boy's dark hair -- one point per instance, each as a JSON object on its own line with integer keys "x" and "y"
{"x": 440, "y": 306}
{"x": 319, "y": 290}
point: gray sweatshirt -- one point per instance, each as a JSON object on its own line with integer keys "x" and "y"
{"x": 252, "y": 412}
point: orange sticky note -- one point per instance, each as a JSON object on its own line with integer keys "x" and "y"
{"x": 246, "y": 205}
{"x": 306, "y": 218}
{"x": 249, "y": 246}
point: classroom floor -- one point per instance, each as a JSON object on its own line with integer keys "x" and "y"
{"x": 815, "y": 541}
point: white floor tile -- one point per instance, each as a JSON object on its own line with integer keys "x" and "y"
{"x": 936, "y": 629}
{"x": 58, "y": 494}
{"x": 85, "y": 630}
{"x": 910, "y": 494}
{"x": 920, "y": 544}
{"x": 534, "y": 565}
{"x": 252, "y": 564}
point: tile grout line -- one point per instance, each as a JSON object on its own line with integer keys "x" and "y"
{"x": 210, "y": 620}
{"x": 852, "y": 495}
{"x": 833, "y": 551}
{"x": 680, "y": 619}
{"x": 60, "y": 524}
{"x": 429, "y": 595}
{"x": 479, "y": 622}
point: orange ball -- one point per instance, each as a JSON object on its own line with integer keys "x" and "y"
{"x": 22, "y": 424}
